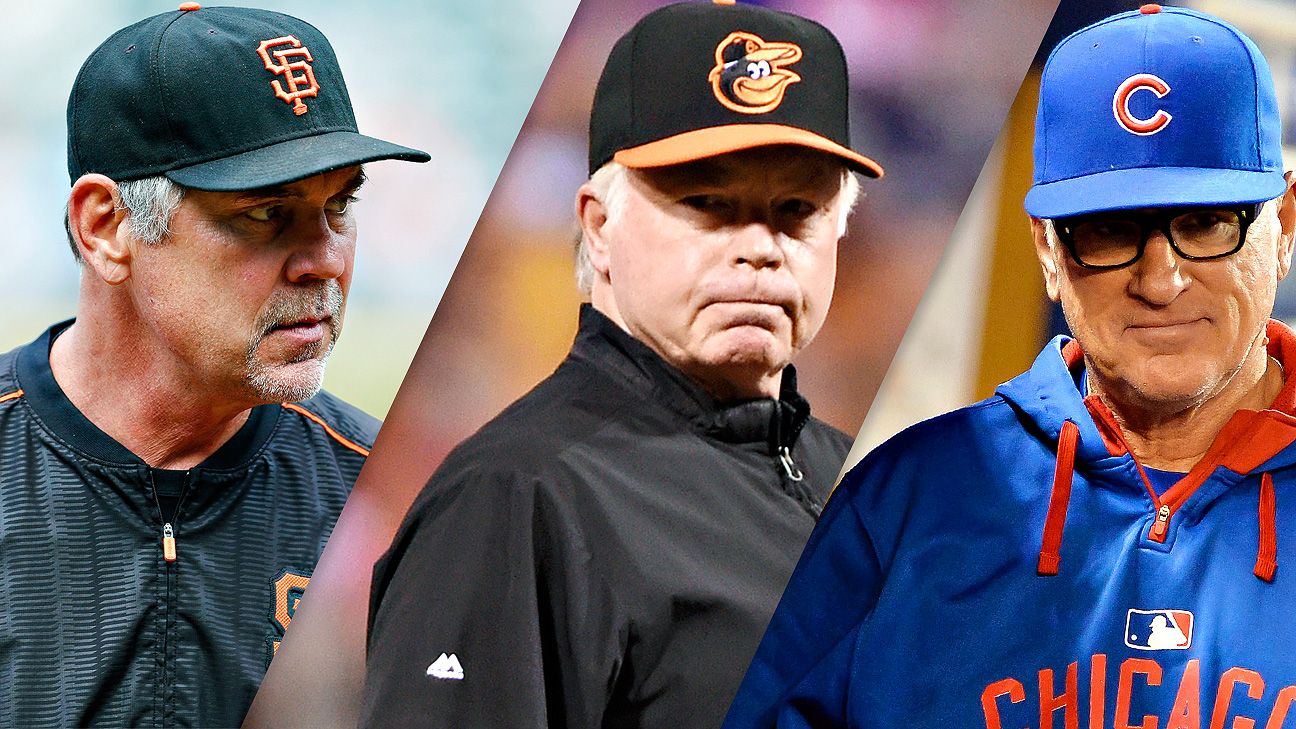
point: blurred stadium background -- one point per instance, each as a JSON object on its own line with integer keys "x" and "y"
{"x": 985, "y": 316}
{"x": 455, "y": 79}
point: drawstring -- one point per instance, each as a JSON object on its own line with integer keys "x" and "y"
{"x": 1049, "y": 558}
{"x": 1056, "y": 519}
{"x": 1267, "y": 554}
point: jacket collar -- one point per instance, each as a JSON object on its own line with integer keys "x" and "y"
{"x": 769, "y": 423}
{"x": 52, "y": 407}
{"x": 1048, "y": 394}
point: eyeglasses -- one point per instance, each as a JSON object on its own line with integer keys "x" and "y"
{"x": 1116, "y": 239}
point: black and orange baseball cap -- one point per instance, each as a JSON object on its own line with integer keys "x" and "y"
{"x": 217, "y": 99}
{"x": 699, "y": 79}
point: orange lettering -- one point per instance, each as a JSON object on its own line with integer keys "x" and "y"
{"x": 1097, "y": 690}
{"x": 1069, "y": 700}
{"x": 1187, "y": 706}
{"x": 1281, "y": 705}
{"x": 1010, "y": 686}
{"x": 1125, "y": 690}
{"x": 288, "y": 588}
{"x": 1230, "y": 679}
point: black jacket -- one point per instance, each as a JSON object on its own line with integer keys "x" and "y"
{"x": 605, "y": 553}
{"x": 95, "y": 626}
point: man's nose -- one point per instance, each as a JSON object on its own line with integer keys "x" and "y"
{"x": 757, "y": 244}
{"x": 1158, "y": 277}
{"x": 319, "y": 250}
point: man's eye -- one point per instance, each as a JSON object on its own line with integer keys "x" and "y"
{"x": 1205, "y": 220}
{"x": 797, "y": 208}
{"x": 339, "y": 205}
{"x": 706, "y": 203}
{"x": 264, "y": 213}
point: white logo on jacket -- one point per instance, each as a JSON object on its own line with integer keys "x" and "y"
{"x": 1158, "y": 630}
{"x": 446, "y": 667}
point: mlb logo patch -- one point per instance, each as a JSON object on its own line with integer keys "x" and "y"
{"x": 1158, "y": 630}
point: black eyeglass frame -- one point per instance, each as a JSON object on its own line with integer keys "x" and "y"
{"x": 1160, "y": 221}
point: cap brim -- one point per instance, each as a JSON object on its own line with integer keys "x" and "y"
{"x": 1151, "y": 187}
{"x": 711, "y": 141}
{"x": 291, "y": 160}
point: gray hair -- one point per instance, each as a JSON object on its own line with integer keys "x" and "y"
{"x": 149, "y": 204}
{"x": 610, "y": 182}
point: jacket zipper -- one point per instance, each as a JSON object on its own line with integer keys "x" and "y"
{"x": 168, "y": 542}
{"x": 1164, "y": 510}
{"x": 1161, "y": 525}
{"x": 790, "y": 467}
{"x": 169, "y": 557}
{"x": 792, "y": 480}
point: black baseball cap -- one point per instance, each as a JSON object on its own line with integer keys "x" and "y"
{"x": 698, "y": 79}
{"x": 217, "y": 99}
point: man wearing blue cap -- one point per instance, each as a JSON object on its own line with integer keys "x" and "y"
{"x": 1098, "y": 543}
{"x": 169, "y": 469}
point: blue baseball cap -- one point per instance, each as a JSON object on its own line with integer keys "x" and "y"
{"x": 1156, "y": 107}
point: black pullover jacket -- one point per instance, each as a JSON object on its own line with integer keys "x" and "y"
{"x": 96, "y": 627}
{"x": 605, "y": 553}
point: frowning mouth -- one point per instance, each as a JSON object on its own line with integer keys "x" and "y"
{"x": 305, "y": 332}
{"x": 303, "y": 323}
{"x": 751, "y": 312}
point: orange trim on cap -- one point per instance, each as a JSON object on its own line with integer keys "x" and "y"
{"x": 327, "y": 429}
{"x": 11, "y": 396}
{"x": 711, "y": 141}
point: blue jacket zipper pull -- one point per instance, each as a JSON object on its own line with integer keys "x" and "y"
{"x": 168, "y": 543}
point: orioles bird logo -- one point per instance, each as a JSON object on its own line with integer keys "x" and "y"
{"x": 750, "y": 75}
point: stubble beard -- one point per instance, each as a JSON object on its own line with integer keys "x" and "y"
{"x": 268, "y": 380}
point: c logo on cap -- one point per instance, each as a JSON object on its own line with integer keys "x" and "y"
{"x": 750, "y": 75}
{"x": 1120, "y": 104}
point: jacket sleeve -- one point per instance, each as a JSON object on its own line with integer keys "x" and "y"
{"x": 819, "y": 701}
{"x": 833, "y": 588}
{"x": 491, "y": 571}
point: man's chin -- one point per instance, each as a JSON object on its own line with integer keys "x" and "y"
{"x": 750, "y": 346}
{"x": 287, "y": 382}
{"x": 738, "y": 363}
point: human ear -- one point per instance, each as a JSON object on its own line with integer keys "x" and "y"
{"x": 1046, "y": 252}
{"x": 96, "y": 224}
{"x": 1286, "y": 225}
{"x": 591, "y": 213}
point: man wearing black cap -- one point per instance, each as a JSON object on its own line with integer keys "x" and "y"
{"x": 1101, "y": 543}
{"x": 607, "y": 551}
{"x": 171, "y": 470}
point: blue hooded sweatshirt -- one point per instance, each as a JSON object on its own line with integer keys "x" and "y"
{"x": 1010, "y": 565}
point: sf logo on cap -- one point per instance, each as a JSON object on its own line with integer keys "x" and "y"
{"x": 1120, "y": 104}
{"x": 298, "y": 74}
{"x": 750, "y": 74}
